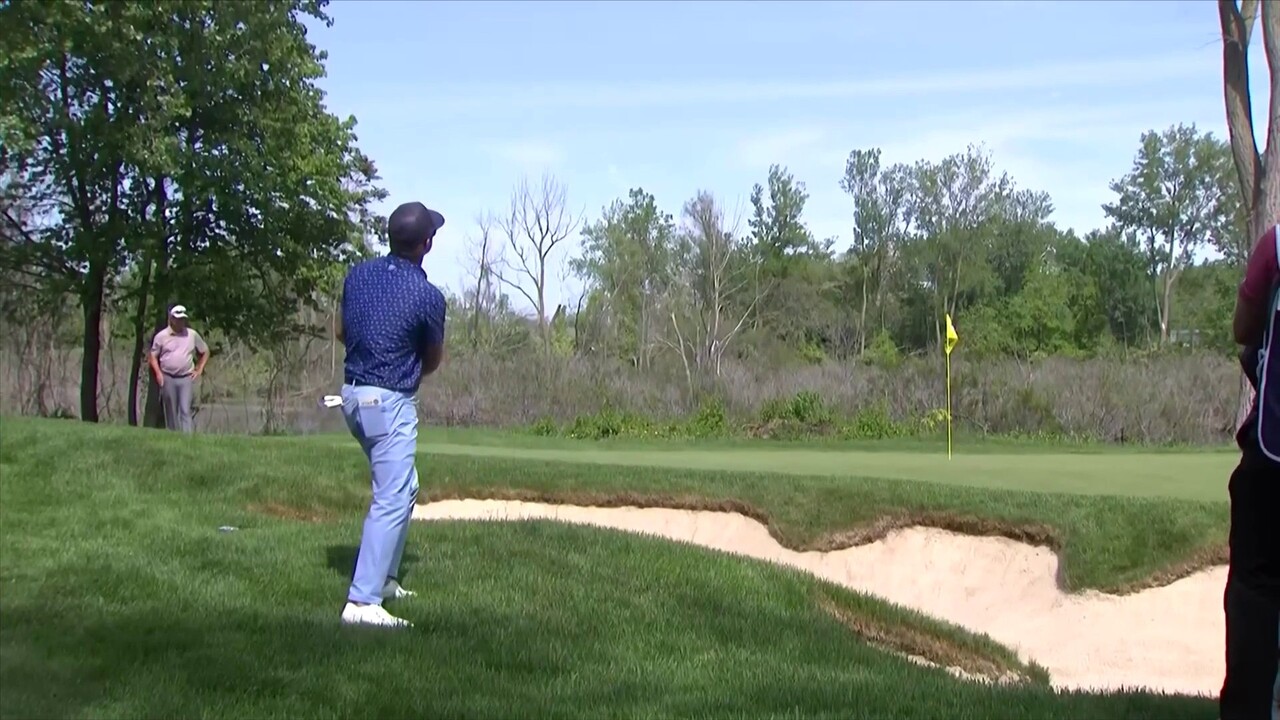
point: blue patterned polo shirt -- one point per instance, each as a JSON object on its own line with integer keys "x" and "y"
{"x": 390, "y": 314}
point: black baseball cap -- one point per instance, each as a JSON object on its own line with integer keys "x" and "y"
{"x": 412, "y": 223}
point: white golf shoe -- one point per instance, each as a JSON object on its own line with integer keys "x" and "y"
{"x": 393, "y": 591}
{"x": 374, "y": 615}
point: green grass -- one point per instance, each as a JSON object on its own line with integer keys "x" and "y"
{"x": 121, "y": 599}
{"x": 1192, "y": 476}
{"x": 1106, "y": 541}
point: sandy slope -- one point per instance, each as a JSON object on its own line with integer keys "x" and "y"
{"x": 1167, "y": 639}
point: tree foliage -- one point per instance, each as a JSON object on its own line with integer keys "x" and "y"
{"x": 157, "y": 153}
{"x": 1177, "y": 201}
{"x": 953, "y": 235}
{"x": 177, "y": 152}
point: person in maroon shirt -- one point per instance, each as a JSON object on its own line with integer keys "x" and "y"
{"x": 1252, "y": 597}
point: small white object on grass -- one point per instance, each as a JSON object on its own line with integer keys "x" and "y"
{"x": 331, "y": 401}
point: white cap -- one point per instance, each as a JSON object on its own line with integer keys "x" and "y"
{"x": 178, "y": 311}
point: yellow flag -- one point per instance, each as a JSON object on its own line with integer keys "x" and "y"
{"x": 952, "y": 337}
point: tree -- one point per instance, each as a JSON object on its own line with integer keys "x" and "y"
{"x": 777, "y": 230}
{"x": 1031, "y": 323}
{"x": 629, "y": 253}
{"x": 880, "y": 224}
{"x": 1020, "y": 239}
{"x": 1115, "y": 267}
{"x": 486, "y": 322}
{"x": 81, "y": 118}
{"x": 1205, "y": 300}
{"x": 187, "y": 149}
{"x": 954, "y": 204}
{"x": 483, "y": 299}
{"x": 1175, "y": 199}
{"x": 795, "y": 274}
{"x": 269, "y": 190}
{"x": 717, "y": 270}
{"x": 1258, "y": 174}
{"x": 537, "y": 221}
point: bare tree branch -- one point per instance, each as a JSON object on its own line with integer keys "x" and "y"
{"x": 715, "y": 280}
{"x": 481, "y": 253}
{"x": 537, "y": 222}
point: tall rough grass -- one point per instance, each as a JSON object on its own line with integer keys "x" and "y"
{"x": 1171, "y": 398}
{"x": 1165, "y": 399}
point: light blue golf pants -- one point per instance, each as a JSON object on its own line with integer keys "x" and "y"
{"x": 385, "y": 422}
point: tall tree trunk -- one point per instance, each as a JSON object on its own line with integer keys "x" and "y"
{"x": 139, "y": 340}
{"x": 643, "y": 340}
{"x": 157, "y": 205}
{"x": 153, "y": 414}
{"x": 1166, "y": 303}
{"x": 477, "y": 304}
{"x": 1258, "y": 174}
{"x": 91, "y": 301}
{"x": 862, "y": 318}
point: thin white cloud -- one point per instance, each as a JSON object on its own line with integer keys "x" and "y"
{"x": 1069, "y": 152}
{"x": 934, "y": 136}
{"x": 1092, "y": 74}
{"x": 777, "y": 146}
{"x": 527, "y": 154}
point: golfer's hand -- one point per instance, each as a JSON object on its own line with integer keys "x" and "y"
{"x": 196, "y": 375}
{"x": 159, "y": 381}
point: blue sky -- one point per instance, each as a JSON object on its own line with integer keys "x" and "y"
{"x": 457, "y": 100}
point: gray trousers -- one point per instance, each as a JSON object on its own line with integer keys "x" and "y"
{"x": 175, "y": 397}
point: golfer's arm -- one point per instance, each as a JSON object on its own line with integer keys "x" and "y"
{"x": 432, "y": 357}
{"x": 154, "y": 363}
{"x": 432, "y": 352}
{"x": 204, "y": 358}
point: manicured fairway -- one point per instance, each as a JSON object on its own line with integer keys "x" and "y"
{"x": 1190, "y": 475}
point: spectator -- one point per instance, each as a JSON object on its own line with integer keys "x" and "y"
{"x": 177, "y": 359}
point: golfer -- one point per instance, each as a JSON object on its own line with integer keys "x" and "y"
{"x": 393, "y": 328}
{"x": 1252, "y": 602}
{"x": 177, "y": 359}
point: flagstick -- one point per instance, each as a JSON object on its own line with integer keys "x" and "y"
{"x": 952, "y": 339}
{"x": 948, "y": 406}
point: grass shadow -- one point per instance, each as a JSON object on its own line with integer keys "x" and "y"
{"x": 342, "y": 560}
{"x": 143, "y": 663}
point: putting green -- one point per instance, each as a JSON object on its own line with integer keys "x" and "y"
{"x": 1193, "y": 476}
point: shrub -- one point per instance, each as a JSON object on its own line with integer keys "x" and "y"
{"x": 710, "y": 421}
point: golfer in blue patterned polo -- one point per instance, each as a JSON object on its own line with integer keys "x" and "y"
{"x": 393, "y": 327}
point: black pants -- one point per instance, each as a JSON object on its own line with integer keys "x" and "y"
{"x": 1252, "y": 598}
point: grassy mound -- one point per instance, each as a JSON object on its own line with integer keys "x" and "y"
{"x": 122, "y": 599}
{"x": 1105, "y": 541}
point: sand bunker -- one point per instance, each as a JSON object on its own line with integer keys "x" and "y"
{"x": 1166, "y": 639}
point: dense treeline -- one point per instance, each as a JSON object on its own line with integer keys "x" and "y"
{"x": 155, "y": 149}
{"x": 950, "y": 235}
